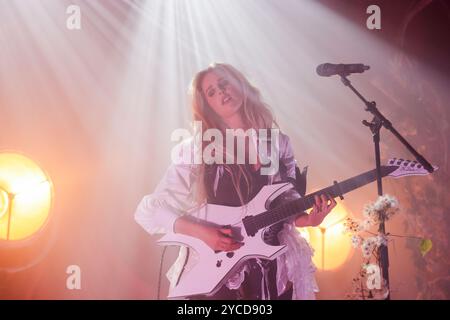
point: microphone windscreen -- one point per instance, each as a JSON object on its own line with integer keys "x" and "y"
{"x": 323, "y": 70}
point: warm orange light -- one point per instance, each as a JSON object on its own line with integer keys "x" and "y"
{"x": 331, "y": 246}
{"x": 25, "y": 197}
{"x": 4, "y": 202}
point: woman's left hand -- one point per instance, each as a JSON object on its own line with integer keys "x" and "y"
{"x": 322, "y": 207}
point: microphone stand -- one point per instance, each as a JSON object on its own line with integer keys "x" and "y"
{"x": 375, "y": 125}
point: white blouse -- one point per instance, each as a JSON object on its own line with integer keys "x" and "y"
{"x": 177, "y": 193}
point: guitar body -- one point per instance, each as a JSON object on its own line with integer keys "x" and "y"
{"x": 206, "y": 271}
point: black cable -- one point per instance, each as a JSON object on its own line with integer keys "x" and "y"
{"x": 160, "y": 272}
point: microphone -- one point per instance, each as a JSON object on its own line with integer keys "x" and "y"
{"x": 329, "y": 69}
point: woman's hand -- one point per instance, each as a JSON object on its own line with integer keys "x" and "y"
{"x": 322, "y": 207}
{"x": 219, "y": 239}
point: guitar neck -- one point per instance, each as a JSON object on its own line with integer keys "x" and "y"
{"x": 265, "y": 219}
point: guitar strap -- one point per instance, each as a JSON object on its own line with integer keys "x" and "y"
{"x": 300, "y": 180}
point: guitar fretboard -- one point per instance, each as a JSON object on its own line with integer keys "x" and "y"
{"x": 265, "y": 219}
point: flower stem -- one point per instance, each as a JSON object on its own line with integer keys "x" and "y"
{"x": 400, "y": 236}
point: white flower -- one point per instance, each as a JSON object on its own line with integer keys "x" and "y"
{"x": 368, "y": 246}
{"x": 385, "y": 206}
{"x": 368, "y": 210}
{"x": 385, "y": 202}
{"x": 380, "y": 240}
{"x": 356, "y": 241}
{"x": 366, "y": 252}
{"x": 366, "y": 224}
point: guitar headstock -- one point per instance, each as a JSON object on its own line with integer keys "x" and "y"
{"x": 402, "y": 168}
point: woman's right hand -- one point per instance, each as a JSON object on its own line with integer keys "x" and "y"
{"x": 219, "y": 239}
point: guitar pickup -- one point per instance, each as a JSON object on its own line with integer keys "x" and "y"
{"x": 249, "y": 225}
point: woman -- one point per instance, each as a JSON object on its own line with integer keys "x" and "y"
{"x": 222, "y": 98}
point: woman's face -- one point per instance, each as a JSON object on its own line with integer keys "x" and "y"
{"x": 223, "y": 93}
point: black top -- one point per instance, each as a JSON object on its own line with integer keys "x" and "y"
{"x": 226, "y": 193}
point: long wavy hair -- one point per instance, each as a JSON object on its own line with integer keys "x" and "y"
{"x": 254, "y": 111}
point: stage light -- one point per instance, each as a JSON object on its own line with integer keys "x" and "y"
{"x": 4, "y": 202}
{"x": 331, "y": 246}
{"x": 26, "y": 194}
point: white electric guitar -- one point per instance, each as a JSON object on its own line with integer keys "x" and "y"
{"x": 206, "y": 271}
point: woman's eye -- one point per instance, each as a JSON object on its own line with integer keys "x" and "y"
{"x": 211, "y": 92}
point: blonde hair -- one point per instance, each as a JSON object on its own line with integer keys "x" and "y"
{"x": 254, "y": 111}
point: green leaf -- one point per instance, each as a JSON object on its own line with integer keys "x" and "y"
{"x": 425, "y": 246}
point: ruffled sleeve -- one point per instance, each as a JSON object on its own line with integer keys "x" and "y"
{"x": 296, "y": 264}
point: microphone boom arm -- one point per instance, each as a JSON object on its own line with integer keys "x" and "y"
{"x": 378, "y": 116}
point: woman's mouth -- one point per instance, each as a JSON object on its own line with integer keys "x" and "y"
{"x": 226, "y": 99}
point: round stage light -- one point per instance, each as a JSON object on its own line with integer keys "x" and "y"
{"x": 4, "y": 202}
{"x": 26, "y": 194}
{"x": 331, "y": 246}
